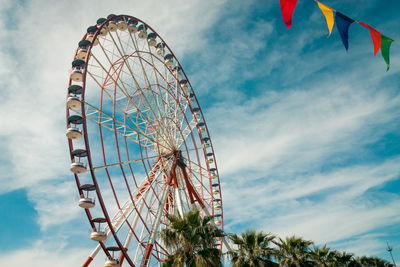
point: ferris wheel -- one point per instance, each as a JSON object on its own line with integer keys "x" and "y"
{"x": 139, "y": 145}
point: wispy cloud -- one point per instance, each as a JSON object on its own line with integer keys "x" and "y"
{"x": 291, "y": 144}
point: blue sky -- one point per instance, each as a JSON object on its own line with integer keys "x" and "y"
{"x": 306, "y": 134}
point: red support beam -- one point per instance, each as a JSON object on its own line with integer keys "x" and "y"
{"x": 87, "y": 262}
{"x": 146, "y": 257}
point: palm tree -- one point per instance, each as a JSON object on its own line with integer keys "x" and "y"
{"x": 252, "y": 249}
{"x": 192, "y": 238}
{"x": 345, "y": 259}
{"x": 372, "y": 262}
{"x": 324, "y": 257}
{"x": 294, "y": 252}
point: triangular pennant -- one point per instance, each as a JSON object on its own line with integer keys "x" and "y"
{"x": 343, "y": 23}
{"x": 386, "y": 42}
{"x": 287, "y": 9}
{"x": 375, "y": 36}
{"x": 328, "y": 13}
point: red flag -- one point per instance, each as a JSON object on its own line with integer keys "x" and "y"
{"x": 375, "y": 35}
{"x": 287, "y": 8}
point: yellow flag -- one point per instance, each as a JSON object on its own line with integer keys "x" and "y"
{"x": 328, "y": 13}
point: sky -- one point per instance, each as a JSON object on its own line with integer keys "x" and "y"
{"x": 305, "y": 134}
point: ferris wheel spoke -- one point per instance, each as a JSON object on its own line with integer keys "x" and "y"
{"x": 155, "y": 225}
{"x": 123, "y": 163}
{"x": 118, "y": 82}
{"x": 156, "y": 74}
{"x": 142, "y": 191}
{"x": 131, "y": 233}
{"x": 134, "y": 41}
{"x": 106, "y": 120}
{"x": 147, "y": 79}
{"x": 109, "y": 122}
{"x": 121, "y": 216}
{"x": 122, "y": 53}
{"x": 199, "y": 183}
{"x": 157, "y": 118}
{"x": 186, "y": 132}
{"x": 121, "y": 87}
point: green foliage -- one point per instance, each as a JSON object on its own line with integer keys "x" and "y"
{"x": 192, "y": 238}
{"x": 294, "y": 252}
{"x": 252, "y": 249}
{"x": 372, "y": 262}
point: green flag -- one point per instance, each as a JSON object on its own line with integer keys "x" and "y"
{"x": 385, "y": 49}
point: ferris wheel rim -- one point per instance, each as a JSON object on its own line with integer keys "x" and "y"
{"x": 86, "y": 135}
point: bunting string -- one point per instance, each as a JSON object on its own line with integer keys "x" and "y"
{"x": 343, "y": 23}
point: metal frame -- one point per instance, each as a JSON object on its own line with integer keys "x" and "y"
{"x": 161, "y": 175}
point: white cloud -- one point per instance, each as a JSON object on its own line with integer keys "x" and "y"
{"x": 46, "y": 254}
{"x": 55, "y": 203}
{"x": 282, "y": 132}
{"x": 37, "y": 56}
{"x": 369, "y": 245}
{"x": 270, "y": 148}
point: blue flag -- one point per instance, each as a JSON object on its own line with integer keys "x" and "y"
{"x": 343, "y": 23}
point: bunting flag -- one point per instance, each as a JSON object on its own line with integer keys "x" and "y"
{"x": 375, "y": 36}
{"x": 328, "y": 13}
{"x": 343, "y": 23}
{"x": 386, "y": 42}
{"x": 287, "y": 9}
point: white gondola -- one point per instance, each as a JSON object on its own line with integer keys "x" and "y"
{"x": 184, "y": 85}
{"x": 219, "y": 207}
{"x": 218, "y": 222}
{"x": 197, "y": 115}
{"x": 142, "y": 34}
{"x": 210, "y": 160}
{"x": 151, "y": 39}
{"x": 206, "y": 145}
{"x": 169, "y": 60}
{"x": 122, "y": 26}
{"x": 73, "y": 133}
{"x": 86, "y": 202}
{"x": 82, "y": 53}
{"x": 132, "y": 28}
{"x": 111, "y": 263}
{"x": 76, "y": 74}
{"x": 216, "y": 192}
{"x": 213, "y": 175}
{"x": 142, "y": 31}
{"x": 191, "y": 98}
{"x": 73, "y": 102}
{"x": 177, "y": 72}
{"x": 112, "y": 26}
{"x": 152, "y": 42}
{"x": 78, "y": 167}
{"x": 103, "y": 31}
{"x": 90, "y": 38}
{"x": 160, "y": 51}
{"x": 98, "y": 236}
